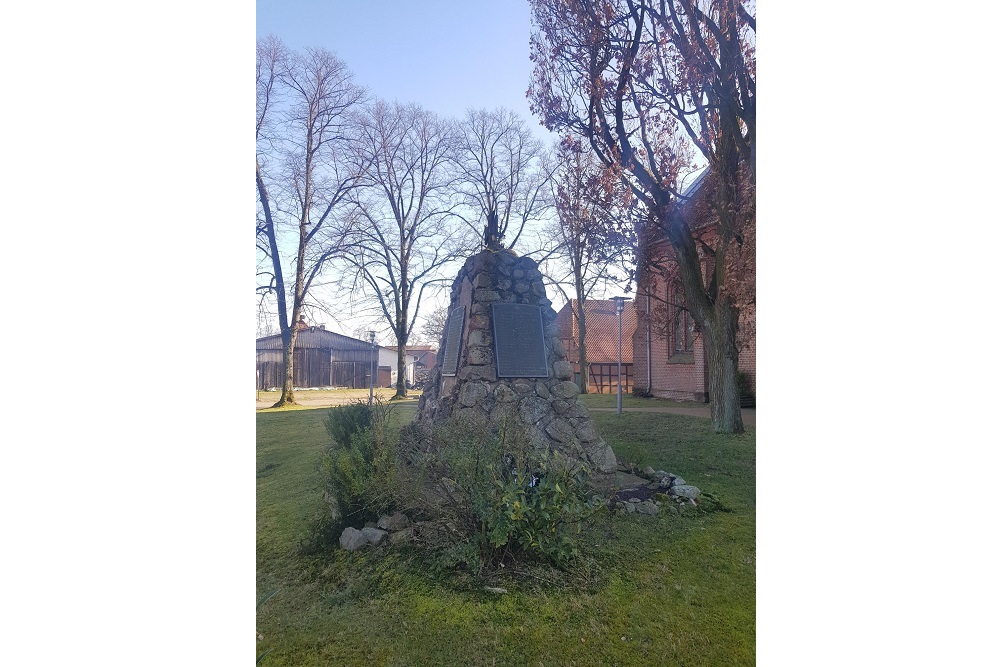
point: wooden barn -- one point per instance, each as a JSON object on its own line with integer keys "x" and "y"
{"x": 321, "y": 359}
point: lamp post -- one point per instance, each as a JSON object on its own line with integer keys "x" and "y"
{"x": 371, "y": 374}
{"x": 619, "y": 307}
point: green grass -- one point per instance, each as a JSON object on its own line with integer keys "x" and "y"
{"x": 312, "y": 398}
{"x": 680, "y": 589}
{"x": 631, "y": 401}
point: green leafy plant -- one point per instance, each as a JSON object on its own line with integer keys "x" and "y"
{"x": 541, "y": 512}
{"x": 501, "y": 494}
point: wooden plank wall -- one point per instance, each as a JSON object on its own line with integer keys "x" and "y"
{"x": 313, "y": 368}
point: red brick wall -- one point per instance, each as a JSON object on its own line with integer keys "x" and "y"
{"x": 687, "y": 380}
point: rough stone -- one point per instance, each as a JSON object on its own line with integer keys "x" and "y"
{"x": 482, "y": 280}
{"x": 586, "y": 432}
{"x": 532, "y": 409}
{"x": 487, "y": 295}
{"x": 566, "y": 389}
{"x": 560, "y": 406}
{"x": 480, "y": 356}
{"x": 559, "y": 349}
{"x": 559, "y": 430}
{"x": 352, "y": 539}
{"x": 647, "y": 507}
{"x": 601, "y": 456}
{"x": 518, "y": 273}
{"x": 401, "y": 536}
{"x": 472, "y": 393}
{"x": 480, "y": 339}
{"x": 685, "y": 491}
{"x": 397, "y": 521}
{"x": 504, "y": 393}
{"x": 487, "y": 373}
{"x": 563, "y": 370}
{"x": 648, "y": 472}
{"x": 374, "y": 535}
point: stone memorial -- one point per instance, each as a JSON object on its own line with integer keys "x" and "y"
{"x": 501, "y": 352}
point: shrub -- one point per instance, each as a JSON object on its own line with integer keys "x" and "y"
{"x": 499, "y": 496}
{"x": 358, "y": 467}
{"x": 344, "y": 421}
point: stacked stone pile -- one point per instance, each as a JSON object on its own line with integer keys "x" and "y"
{"x": 547, "y": 407}
{"x": 395, "y": 528}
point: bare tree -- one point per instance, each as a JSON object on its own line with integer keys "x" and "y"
{"x": 501, "y": 175}
{"x": 434, "y": 324}
{"x": 407, "y": 230}
{"x": 587, "y": 196}
{"x": 305, "y": 169}
{"x": 642, "y": 80}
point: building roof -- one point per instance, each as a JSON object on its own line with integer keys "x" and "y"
{"x": 602, "y": 330}
{"x": 315, "y": 338}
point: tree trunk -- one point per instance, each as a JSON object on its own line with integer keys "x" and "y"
{"x": 287, "y": 354}
{"x": 584, "y": 371}
{"x": 723, "y": 368}
{"x": 400, "y": 369}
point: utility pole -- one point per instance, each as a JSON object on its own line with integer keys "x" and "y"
{"x": 371, "y": 373}
{"x": 619, "y": 307}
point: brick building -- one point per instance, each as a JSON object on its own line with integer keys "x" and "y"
{"x": 601, "y": 318}
{"x": 669, "y": 351}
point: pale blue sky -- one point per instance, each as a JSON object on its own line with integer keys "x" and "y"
{"x": 447, "y": 55}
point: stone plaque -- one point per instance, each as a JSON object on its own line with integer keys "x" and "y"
{"x": 519, "y": 340}
{"x": 453, "y": 341}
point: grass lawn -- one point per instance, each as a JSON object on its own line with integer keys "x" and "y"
{"x": 664, "y": 590}
{"x": 631, "y": 401}
{"x": 312, "y": 398}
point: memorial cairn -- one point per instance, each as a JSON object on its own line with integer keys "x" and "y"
{"x": 501, "y": 357}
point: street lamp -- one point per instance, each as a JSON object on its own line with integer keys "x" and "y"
{"x": 619, "y": 307}
{"x": 371, "y": 373}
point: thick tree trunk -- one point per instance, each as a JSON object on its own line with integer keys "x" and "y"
{"x": 723, "y": 368}
{"x": 400, "y": 369}
{"x": 287, "y": 355}
{"x": 584, "y": 371}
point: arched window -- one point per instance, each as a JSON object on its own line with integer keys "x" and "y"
{"x": 680, "y": 339}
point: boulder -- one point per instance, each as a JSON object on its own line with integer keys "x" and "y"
{"x": 374, "y": 535}
{"x": 353, "y": 539}
{"x": 685, "y": 491}
{"x": 401, "y": 536}
{"x": 397, "y": 521}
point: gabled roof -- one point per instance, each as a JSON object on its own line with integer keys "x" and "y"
{"x": 315, "y": 338}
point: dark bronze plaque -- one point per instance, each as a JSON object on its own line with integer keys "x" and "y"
{"x": 519, "y": 339}
{"x": 453, "y": 341}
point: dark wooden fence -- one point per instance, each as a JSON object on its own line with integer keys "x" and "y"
{"x": 604, "y": 378}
